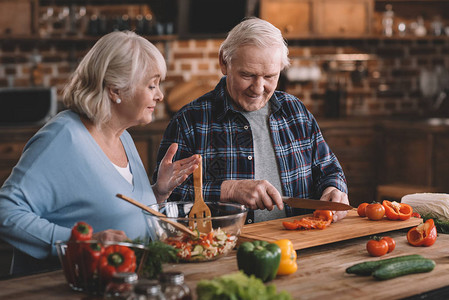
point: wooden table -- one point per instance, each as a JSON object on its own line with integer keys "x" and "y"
{"x": 321, "y": 274}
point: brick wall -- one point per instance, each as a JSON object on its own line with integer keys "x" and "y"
{"x": 373, "y": 77}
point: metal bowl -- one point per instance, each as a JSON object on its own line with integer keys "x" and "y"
{"x": 227, "y": 222}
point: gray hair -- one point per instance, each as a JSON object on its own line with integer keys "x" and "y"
{"x": 257, "y": 32}
{"x": 118, "y": 60}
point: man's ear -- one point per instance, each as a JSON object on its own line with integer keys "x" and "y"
{"x": 223, "y": 64}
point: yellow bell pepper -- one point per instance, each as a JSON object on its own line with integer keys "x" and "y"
{"x": 288, "y": 263}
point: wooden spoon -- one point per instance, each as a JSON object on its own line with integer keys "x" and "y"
{"x": 199, "y": 208}
{"x": 163, "y": 217}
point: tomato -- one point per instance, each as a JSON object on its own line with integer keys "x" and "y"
{"x": 391, "y": 243}
{"x": 397, "y": 211}
{"x": 377, "y": 247}
{"x": 325, "y": 215}
{"x": 424, "y": 234}
{"x": 416, "y": 215}
{"x": 361, "y": 209}
{"x": 375, "y": 211}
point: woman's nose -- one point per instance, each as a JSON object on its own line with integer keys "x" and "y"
{"x": 159, "y": 96}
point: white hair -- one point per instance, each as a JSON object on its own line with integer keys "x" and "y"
{"x": 257, "y": 32}
{"x": 119, "y": 60}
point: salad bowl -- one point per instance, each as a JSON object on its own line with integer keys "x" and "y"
{"x": 227, "y": 222}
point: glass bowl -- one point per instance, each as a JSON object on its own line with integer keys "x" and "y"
{"x": 227, "y": 222}
{"x": 82, "y": 267}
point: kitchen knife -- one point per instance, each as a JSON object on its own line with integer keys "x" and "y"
{"x": 315, "y": 204}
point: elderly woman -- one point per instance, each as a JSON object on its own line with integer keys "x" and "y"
{"x": 74, "y": 166}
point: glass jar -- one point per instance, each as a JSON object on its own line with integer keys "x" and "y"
{"x": 174, "y": 287}
{"x": 388, "y": 20}
{"x": 121, "y": 286}
{"x": 148, "y": 290}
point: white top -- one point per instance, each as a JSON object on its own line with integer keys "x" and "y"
{"x": 125, "y": 172}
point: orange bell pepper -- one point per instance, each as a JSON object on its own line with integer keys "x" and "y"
{"x": 397, "y": 211}
{"x": 423, "y": 235}
{"x": 288, "y": 263}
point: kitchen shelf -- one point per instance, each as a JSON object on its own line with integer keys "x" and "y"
{"x": 168, "y": 38}
{"x": 91, "y": 2}
{"x": 412, "y": 1}
{"x": 75, "y": 39}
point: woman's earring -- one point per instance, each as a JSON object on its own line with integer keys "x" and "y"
{"x": 118, "y": 101}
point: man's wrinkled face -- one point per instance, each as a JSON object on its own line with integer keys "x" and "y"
{"x": 252, "y": 76}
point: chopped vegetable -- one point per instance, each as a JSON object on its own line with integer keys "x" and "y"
{"x": 204, "y": 247}
{"x": 397, "y": 211}
{"x": 320, "y": 220}
{"x": 238, "y": 286}
{"x": 424, "y": 234}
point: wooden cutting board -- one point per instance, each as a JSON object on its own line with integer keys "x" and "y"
{"x": 350, "y": 227}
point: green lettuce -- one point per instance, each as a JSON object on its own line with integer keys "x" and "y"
{"x": 238, "y": 286}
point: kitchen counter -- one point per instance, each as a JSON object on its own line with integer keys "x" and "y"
{"x": 321, "y": 275}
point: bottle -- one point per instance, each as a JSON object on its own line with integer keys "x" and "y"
{"x": 174, "y": 287}
{"x": 388, "y": 20}
{"x": 121, "y": 286}
{"x": 148, "y": 290}
{"x": 36, "y": 72}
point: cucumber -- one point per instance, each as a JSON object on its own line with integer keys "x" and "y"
{"x": 368, "y": 267}
{"x": 401, "y": 268}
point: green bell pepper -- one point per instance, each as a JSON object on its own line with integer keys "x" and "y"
{"x": 259, "y": 258}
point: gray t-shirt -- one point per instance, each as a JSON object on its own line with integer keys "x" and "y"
{"x": 266, "y": 166}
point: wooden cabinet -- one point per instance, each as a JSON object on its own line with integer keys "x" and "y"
{"x": 296, "y": 18}
{"x": 293, "y": 17}
{"x": 415, "y": 153}
{"x": 355, "y": 145}
{"x": 344, "y": 17}
{"x": 441, "y": 172}
{"x": 18, "y": 17}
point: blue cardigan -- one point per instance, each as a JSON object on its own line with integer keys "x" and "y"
{"x": 63, "y": 177}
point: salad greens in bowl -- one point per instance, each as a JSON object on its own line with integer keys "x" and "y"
{"x": 227, "y": 222}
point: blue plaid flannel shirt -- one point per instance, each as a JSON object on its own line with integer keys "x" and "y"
{"x": 210, "y": 126}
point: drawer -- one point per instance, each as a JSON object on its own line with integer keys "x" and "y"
{"x": 348, "y": 142}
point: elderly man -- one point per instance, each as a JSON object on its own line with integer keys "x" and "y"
{"x": 257, "y": 143}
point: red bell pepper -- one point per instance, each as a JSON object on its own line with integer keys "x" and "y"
{"x": 81, "y": 231}
{"x": 397, "y": 211}
{"x": 91, "y": 256}
{"x": 116, "y": 258}
{"x": 320, "y": 220}
{"x": 423, "y": 235}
